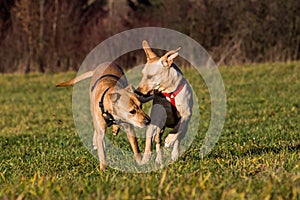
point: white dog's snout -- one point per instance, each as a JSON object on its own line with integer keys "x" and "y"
{"x": 156, "y": 86}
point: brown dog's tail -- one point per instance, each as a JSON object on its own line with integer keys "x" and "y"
{"x": 77, "y": 79}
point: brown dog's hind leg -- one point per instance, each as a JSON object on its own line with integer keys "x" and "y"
{"x": 100, "y": 134}
{"x": 115, "y": 129}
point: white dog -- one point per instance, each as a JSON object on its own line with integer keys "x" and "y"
{"x": 172, "y": 104}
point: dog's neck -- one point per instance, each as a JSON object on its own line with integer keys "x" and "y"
{"x": 106, "y": 110}
{"x": 175, "y": 78}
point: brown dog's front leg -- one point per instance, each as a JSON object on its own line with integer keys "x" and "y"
{"x": 133, "y": 142}
{"x": 95, "y": 140}
{"x": 115, "y": 129}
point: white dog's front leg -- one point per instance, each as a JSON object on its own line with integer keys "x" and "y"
{"x": 151, "y": 132}
{"x": 170, "y": 140}
{"x": 174, "y": 139}
{"x": 182, "y": 127}
{"x": 158, "y": 118}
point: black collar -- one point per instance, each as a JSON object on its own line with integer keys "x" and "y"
{"x": 109, "y": 119}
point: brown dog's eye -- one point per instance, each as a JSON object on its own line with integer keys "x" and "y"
{"x": 132, "y": 112}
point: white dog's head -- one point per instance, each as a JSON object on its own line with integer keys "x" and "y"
{"x": 155, "y": 72}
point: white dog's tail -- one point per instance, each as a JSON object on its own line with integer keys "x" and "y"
{"x": 77, "y": 79}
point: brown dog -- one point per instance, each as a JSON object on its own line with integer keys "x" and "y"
{"x": 112, "y": 103}
{"x": 172, "y": 104}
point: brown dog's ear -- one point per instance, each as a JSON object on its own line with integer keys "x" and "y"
{"x": 149, "y": 53}
{"x": 168, "y": 58}
{"x": 114, "y": 96}
{"x": 130, "y": 88}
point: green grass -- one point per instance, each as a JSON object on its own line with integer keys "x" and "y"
{"x": 256, "y": 157}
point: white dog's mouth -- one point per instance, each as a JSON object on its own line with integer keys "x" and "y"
{"x": 148, "y": 94}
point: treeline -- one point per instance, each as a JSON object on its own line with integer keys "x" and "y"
{"x": 56, "y": 35}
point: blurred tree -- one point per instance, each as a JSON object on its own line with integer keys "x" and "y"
{"x": 44, "y": 35}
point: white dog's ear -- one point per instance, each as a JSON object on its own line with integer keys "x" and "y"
{"x": 130, "y": 88}
{"x": 149, "y": 53}
{"x": 114, "y": 96}
{"x": 168, "y": 58}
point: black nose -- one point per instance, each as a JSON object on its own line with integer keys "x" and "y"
{"x": 149, "y": 93}
{"x": 147, "y": 120}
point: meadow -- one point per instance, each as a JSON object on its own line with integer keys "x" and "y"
{"x": 257, "y": 155}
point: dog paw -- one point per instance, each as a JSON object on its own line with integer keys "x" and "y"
{"x": 115, "y": 129}
{"x": 158, "y": 158}
{"x": 138, "y": 158}
{"x": 175, "y": 153}
{"x": 102, "y": 166}
{"x": 170, "y": 140}
{"x": 174, "y": 157}
{"x": 94, "y": 147}
{"x": 146, "y": 158}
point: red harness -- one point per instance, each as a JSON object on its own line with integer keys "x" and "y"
{"x": 171, "y": 96}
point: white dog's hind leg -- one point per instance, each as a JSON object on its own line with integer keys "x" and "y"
{"x": 158, "y": 118}
{"x": 159, "y": 151}
{"x": 152, "y": 130}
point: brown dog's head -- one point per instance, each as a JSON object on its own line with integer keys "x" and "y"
{"x": 155, "y": 73}
{"x": 127, "y": 108}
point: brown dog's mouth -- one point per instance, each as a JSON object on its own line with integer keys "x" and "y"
{"x": 144, "y": 123}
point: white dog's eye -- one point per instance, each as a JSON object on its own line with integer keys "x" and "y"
{"x": 149, "y": 76}
{"x": 164, "y": 63}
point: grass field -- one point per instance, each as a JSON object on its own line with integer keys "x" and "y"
{"x": 256, "y": 157}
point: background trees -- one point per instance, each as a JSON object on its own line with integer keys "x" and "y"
{"x": 56, "y": 35}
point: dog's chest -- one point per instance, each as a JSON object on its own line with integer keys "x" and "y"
{"x": 173, "y": 116}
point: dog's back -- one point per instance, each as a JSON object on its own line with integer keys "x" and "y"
{"x": 111, "y": 74}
